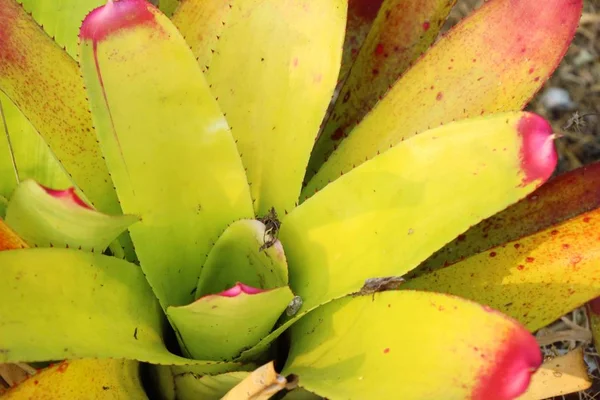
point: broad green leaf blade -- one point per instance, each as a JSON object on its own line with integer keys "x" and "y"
{"x": 168, "y": 7}
{"x": 238, "y": 256}
{"x": 493, "y": 61}
{"x": 290, "y": 54}
{"x": 403, "y": 30}
{"x": 192, "y": 387}
{"x": 9, "y": 240}
{"x": 177, "y": 166}
{"x": 159, "y": 381}
{"x": 361, "y": 14}
{"x": 61, "y": 303}
{"x": 32, "y": 157}
{"x": 45, "y": 83}
{"x": 559, "y": 376}
{"x": 387, "y": 216}
{"x": 526, "y": 278}
{"x": 83, "y": 379}
{"x": 61, "y": 19}
{"x": 359, "y": 347}
{"x": 562, "y": 197}
{"x": 242, "y": 314}
{"x": 58, "y": 218}
{"x": 301, "y": 394}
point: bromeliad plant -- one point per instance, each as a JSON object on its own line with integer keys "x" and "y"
{"x": 194, "y": 132}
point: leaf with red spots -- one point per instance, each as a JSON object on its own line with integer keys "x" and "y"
{"x": 408, "y": 202}
{"x": 242, "y": 314}
{"x": 289, "y": 52}
{"x": 493, "y": 61}
{"x": 442, "y": 346}
{"x": 83, "y": 379}
{"x": 45, "y": 217}
{"x": 535, "y": 279}
{"x": 45, "y": 83}
{"x": 563, "y": 197}
{"x": 167, "y": 144}
{"x": 402, "y": 31}
{"x": 68, "y": 304}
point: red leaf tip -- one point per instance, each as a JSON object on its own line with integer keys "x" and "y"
{"x": 538, "y": 155}
{"x": 238, "y": 289}
{"x": 115, "y": 16}
{"x": 67, "y": 195}
{"x": 594, "y": 305}
{"x": 514, "y": 363}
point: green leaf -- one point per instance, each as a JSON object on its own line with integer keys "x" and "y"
{"x": 301, "y": 394}
{"x": 168, "y": 7}
{"x": 9, "y": 240}
{"x": 387, "y": 216}
{"x": 242, "y": 315}
{"x": 83, "y": 379}
{"x": 45, "y": 84}
{"x": 290, "y": 53}
{"x": 493, "y": 61}
{"x": 58, "y": 218}
{"x": 562, "y": 197}
{"x": 359, "y": 347}
{"x": 238, "y": 257}
{"x": 189, "y": 386}
{"x": 177, "y": 166}
{"x": 536, "y": 279}
{"x": 61, "y": 304}
{"x": 61, "y": 19}
{"x": 403, "y": 31}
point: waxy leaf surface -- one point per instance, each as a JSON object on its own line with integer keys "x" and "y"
{"x": 220, "y": 326}
{"x": 403, "y": 30}
{"x": 359, "y": 347}
{"x": 239, "y": 256}
{"x": 192, "y": 387}
{"x": 61, "y": 304}
{"x": 390, "y": 214}
{"x": 83, "y": 379}
{"x": 290, "y": 54}
{"x": 561, "y": 198}
{"x": 167, "y": 145}
{"x": 58, "y": 218}
{"x": 524, "y": 278}
{"x": 45, "y": 83}
{"x": 493, "y": 61}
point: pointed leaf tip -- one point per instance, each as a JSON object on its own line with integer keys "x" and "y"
{"x": 115, "y": 16}
{"x": 538, "y": 155}
{"x": 238, "y": 289}
{"x": 511, "y": 373}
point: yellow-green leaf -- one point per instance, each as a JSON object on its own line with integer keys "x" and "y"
{"x": 45, "y": 83}
{"x": 290, "y": 55}
{"x": 403, "y": 30}
{"x": 61, "y": 19}
{"x": 189, "y": 386}
{"x": 83, "y": 379}
{"x": 167, "y": 145}
{"x": 415, "y": 345}
{"x": 61, "y": 304}
{"x": 562, "y": 197}
{"x": 240, "y": 255}
{"x": 491, "y": 62}
{"x": 535, "y": 279}
{"x": 390, "y": 214}
{"x": 45, "y": 217}
{"x": 220, "y": 326}
{"x": 559, "y": 376}
{"x": 168, "y": 7}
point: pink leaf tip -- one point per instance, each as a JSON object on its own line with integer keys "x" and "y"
{"x": 238, "y": 289}
{"x": 67, "y": 195}
{"x": 538, "y": 155}
{"x": 515, "y": 361}
{"x": 116, "y": 16}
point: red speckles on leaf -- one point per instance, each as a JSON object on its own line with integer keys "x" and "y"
{"x": 520, "y": 267}
{"x": 594, "y": 305}
{"x": 517, "y": 245}
{"x": 379, "y": 49}
{"x": 62, "y": 367}
{"x": 586, "y": 219}
{"x": 439, "y": 96}
{"x": 530, "y": 259}
{"x": 295, "y": 62}
{"x": 538, "y": 156}
{"x": 365, "y": 9}
{"x": 554, "y": 232}
{"x": 338, "y": 134}
{"x": 116, "y": 16}
{"x": 426, "y": 26}
{"x": 508, "y": 376}
{"x": 386, "y": 350}
{"x": 67, "y": 195}
{"x": 493, "y": 254}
